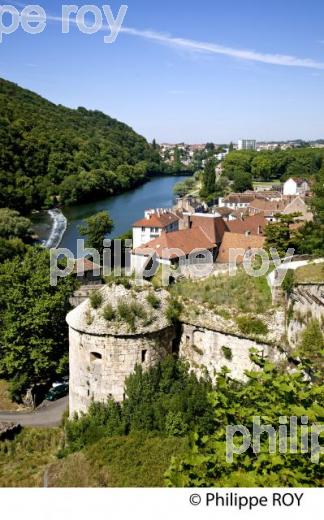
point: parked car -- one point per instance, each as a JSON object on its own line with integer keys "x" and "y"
{"x": 64, "y": 380}
{"x": 57, "y": 392}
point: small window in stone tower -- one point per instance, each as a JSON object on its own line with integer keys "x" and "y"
{"x": 144, "y": 352}
{"x": 95, "y": 357}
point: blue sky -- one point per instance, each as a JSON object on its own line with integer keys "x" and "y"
{"x": 186, "y": 70}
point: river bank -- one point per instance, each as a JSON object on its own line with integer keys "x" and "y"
{"x": 60, "y": 228}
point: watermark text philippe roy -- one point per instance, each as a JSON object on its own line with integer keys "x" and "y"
{"x": 88, "y": 19}
{"x": 119, "y": 257}
{"x": 293, "y": 435}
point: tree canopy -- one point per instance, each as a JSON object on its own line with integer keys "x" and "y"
{"x": 15, "y": 233}
{"x": 95, "y": 229}
{"x": 49, "y": 153}
{"x": 33, "y": 330}
{"x": 268, "y": 394}
{"x": 167, "y": 400}
{"x": 281, "y": 236}
{"x": 274, "y": 165}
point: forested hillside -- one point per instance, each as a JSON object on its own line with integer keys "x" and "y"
{"x": 274, "y": 165}
{"x": 49, "y": 153}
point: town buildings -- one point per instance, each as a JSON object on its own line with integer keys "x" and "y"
{"x": 296, "y": 186}
{"x": 247, "y": 144}
{"x": 154, "y": 223}
{"x": 192, "y": 231}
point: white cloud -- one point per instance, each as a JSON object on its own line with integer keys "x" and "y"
{"x": 213, "y": 48}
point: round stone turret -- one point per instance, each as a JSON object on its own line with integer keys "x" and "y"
{"x": 110, "y": 333}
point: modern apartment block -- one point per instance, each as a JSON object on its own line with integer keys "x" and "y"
{"x": 247, "y": 144}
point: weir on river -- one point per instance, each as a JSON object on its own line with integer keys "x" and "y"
{"x": 124, "y": 210}
{"x": 58, "y": 229}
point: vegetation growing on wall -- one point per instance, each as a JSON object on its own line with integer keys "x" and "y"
{"x": 241, "y": 292}
{"x": 311, "y": 347}
{"x": 251, "y": 326}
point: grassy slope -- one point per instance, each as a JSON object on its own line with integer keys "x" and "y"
{"x": 24, "y": 459}
{"x": 313, "y": 273}
{"x": 243, "y": 293}
{"x": 5, "y": 402}
{"x": 133, "y": 461}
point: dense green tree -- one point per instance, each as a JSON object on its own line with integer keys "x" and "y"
{"x": 33, "y": 331}
{"x": 50, "y": 154}
{"x": 280, "y": 236}
{"x": 242, "y": 182}
{"x": 15, "y": 233}
{"x": 311, "y": 348}
{"x": 268, "y": 394}
{"x": 11, "y": 248}
{"x": 177, "y": 159}
{"x": 12, "y": 225}
{"x": 274, "y": 165}
{"x": 209, "y": 180}
{"x": 95, "y": 229}
{"x": 167, "y": 399}
{"x": 261, "y": 168}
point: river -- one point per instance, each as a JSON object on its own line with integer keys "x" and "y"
{"x": 124, "y": 209}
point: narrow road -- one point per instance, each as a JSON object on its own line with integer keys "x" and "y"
{"x": 48, "y": 414}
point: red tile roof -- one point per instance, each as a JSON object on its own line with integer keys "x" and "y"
{"x": 240, "y": 197}
{"x": 224, "y": 211}
{"x": 213, "y": 227}
{"x": 238, "y": 241}
{"x": 83, "y": 265}
{"x": 185, "y": 240}
{"x": 158, "y": 220}
{"x": 255, "y": 225}
{"x": 269, "y": 206}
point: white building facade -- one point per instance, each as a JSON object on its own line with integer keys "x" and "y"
{"x": 152, "y": 225}
{"x": 247, "y": 144}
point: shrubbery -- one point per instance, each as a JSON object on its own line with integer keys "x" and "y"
{"x": 95, "y": 299}
{"x": 250, "y": 325}
{"x": 269, "y": 394}
{"x": 173, "y": 310}
{"x": 165, "y": 400}
{"x": 129, "y": 312}
{"x": 153, "y": 300}
{"x": 108, "y": 312}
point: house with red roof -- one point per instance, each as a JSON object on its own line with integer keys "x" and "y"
{"x": 200, "y": 238}
{"x": 253, "y": 225}
{"x": 236, "y": 245}
{"x": 154, "y": 223}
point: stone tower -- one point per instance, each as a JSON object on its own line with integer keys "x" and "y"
{"x": 104, "y": 348}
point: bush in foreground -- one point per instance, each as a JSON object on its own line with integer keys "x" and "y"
{"x": 166, "y": 400}
{"x": 269, "y": 395}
